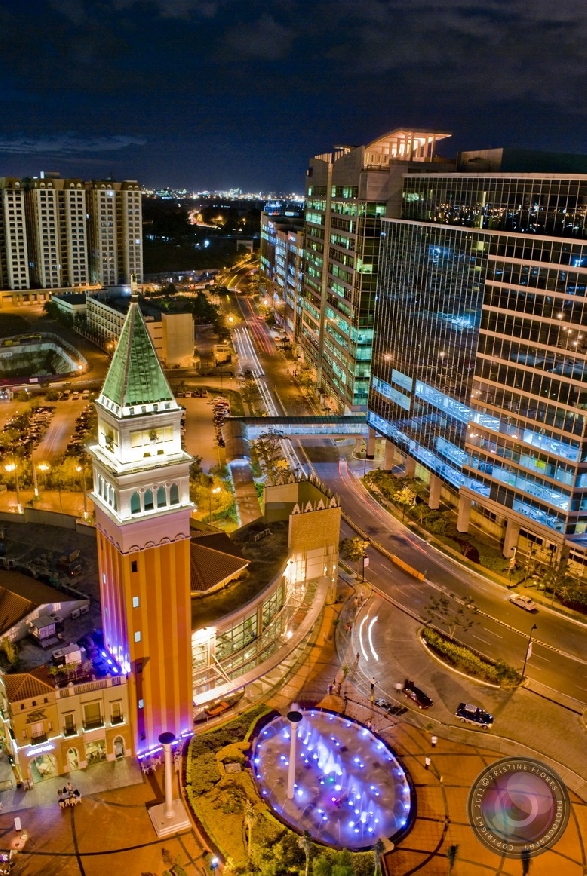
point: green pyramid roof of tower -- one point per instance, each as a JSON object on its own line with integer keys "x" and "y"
{"x": 135, "y": 376}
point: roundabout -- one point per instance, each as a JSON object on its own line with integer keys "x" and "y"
{"x": 347, "y": 788}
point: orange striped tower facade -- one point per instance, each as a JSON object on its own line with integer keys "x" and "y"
{"x": 142, "y": 502}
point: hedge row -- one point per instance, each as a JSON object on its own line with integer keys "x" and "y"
{"x": 462, "y": 658}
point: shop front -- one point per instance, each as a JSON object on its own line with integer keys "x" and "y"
{"x": 95, "y": 751}
{"x": 42, "y": 763}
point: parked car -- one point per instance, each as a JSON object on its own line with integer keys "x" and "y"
{"x": 474, "y": 715}
{"x": 417, "y": 695}
{"x": 523, "y": 602}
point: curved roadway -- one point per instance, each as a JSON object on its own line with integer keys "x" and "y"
{"x": 500, "y": 629}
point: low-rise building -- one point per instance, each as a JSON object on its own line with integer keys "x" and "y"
{"x": 172, "y": 333}
{"x": 50, "y": 730}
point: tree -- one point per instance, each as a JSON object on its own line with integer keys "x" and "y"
{"x": 405, "y": 498}
{"x": 353, "y": 550}
{"x": 305, "y": 843}
{"x": 441, "y": 609}
{"x": 250, "y": 820}
{"x": 10, "y": 650}
{"x": 269, "y": 450}
{"x": 378, "y": 850}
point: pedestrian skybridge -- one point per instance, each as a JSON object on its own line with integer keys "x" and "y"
{"x": 238, "y": 431}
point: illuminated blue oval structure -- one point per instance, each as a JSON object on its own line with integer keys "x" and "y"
{"x": 350, "y": 789}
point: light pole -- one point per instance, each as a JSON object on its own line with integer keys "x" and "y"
{"x": 12, "y": 466}
{"x": 294, "y": 717}
{"x": 214, "y": 490}
{"x": 528, "y": 650}
{"x": 81, "y": 469}
{"x": 35, "y": 485}
{"x": 42, "y": 466}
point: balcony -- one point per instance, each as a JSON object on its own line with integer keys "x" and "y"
{"x": 94, "y": 724}
{"x": 71, "y": 730}
{"x": 41, "y": 737}
{"x": 117, "y": 719}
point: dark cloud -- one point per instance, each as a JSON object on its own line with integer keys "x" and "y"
{"x": 258, "y": 87}
{"x": 263, "y": 39}
{"x": 66, "y": 144}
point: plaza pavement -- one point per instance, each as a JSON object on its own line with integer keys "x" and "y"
{"x": 110, "y": 832}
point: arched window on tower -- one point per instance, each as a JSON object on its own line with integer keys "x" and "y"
{"x": 161, "y": 498}
{"x": 148, "y": 500}
{"x": 174, "y": 495}
{"x": 135, "y": 504}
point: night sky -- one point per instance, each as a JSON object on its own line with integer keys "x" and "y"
{"x": 225, "y": 93}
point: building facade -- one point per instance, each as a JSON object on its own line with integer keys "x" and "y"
{"x": 348, "y": 193}
{"x": 14, "y": 253}
{"x": 57, "y": 229}
{"x": 65, "y": 233}
{"x": 142, "y": 505}
{"x": 480, "y": 357}
{"x": 51, "y": 730}
{"x": 280, "y": 263}
{"x": 115, "y": 232}
{"x": 172, "y": 333}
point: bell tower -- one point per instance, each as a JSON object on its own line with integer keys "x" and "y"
{"x": 142, "y": 500}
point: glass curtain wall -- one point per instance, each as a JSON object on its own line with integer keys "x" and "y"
{"x": 480, "y": 362}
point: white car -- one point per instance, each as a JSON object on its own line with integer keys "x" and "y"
{"x": 523, "y": 602}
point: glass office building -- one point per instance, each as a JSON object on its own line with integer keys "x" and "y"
{"x": 480, "y": 354}
{"x": 348, "y": 193}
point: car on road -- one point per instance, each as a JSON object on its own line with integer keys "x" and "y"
{"x": 417, "y": 695}
{"x": 388, "y": 707}
{"x": 523, "y": 602}
{"x": 474, "y": 715}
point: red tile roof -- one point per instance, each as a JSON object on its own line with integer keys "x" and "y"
{"x": 210, "y": 568}
{"x": 24, "y": 685}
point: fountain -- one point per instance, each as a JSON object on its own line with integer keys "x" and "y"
{"x": 349, "y": 790}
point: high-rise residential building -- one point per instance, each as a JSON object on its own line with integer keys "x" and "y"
{"x": 348, "y": 193}
{"x": 142, "y": 503}
{"x": 116, "y": 240}
{"x": 14, "y": 255}
{"x": 280, "y": 261}
{"x": 58, "y": 233}
{"x": 57, "y": 230}
{"x": 480, "y": 354}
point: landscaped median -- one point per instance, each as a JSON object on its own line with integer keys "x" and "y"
{"x": 467, "y": 661}
{"x": 223, "y": 797}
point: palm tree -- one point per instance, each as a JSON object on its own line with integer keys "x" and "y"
{"x": 250, "y": 820}
{"x": 305, "y": 843}
{"x": 378, "y": 850}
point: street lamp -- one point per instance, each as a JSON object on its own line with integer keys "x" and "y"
{"x": 12, "y": 466}
{"x": 80, "y": 469}
{"x": 528, "y": 650}
{"x": 215, "y": 490}
{"x": 35, "y": 485}
{"x": 294, "y": 716}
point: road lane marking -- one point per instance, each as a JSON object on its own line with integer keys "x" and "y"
{"x": 540, "y": 657}
{"x": 369, "y": 636}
